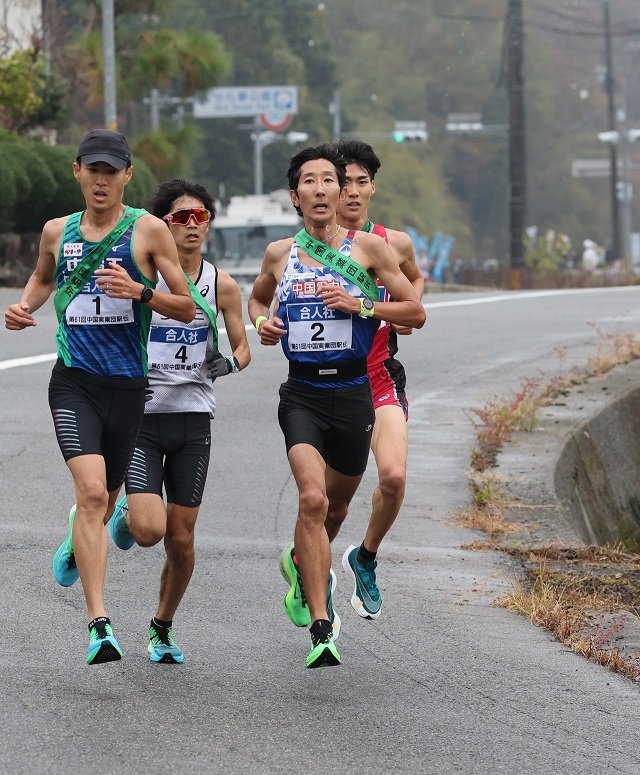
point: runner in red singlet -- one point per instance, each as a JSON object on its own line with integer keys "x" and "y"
{"x": 389, "y": 441}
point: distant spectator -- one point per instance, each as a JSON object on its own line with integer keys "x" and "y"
{"x": 458, "y": 271}
{"x": 590, "y": 255}
{"x": 425, "y": 264}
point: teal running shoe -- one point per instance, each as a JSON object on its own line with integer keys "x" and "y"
{"x": 333, "y": 614}
{"x": 162, "y": 647}
{"x": 295, "y": 601}
{"x": 64, "y": 567}
{"x": 120, "y": 534}
{"x": 103, "y": 647}
{"x": 323, "y": 651}
{"x": 366, "y": 598}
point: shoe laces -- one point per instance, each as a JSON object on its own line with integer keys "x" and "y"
{"x": 162, "y": 636}
{"x": 321, "y": 637}
{"x": 367, "y": 572}
{"x": 101, "y": 630}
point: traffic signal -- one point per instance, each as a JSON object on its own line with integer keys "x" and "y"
{"x": 624, "y": 191}
{"x": 408, "y": 137}
{"x": 410, "y": 131}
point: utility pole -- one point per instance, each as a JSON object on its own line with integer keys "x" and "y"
{"x": 109, "y": 53}
{"x": 46, "y": 36}
{"x": 335, "y": 111}
{"x": 517, "y": 141}
{"x": 611, "y": 126}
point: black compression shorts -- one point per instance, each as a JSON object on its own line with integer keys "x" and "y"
{"x": 96, "y": 415}
{"x": 337, "y": 422}
{"x": 174, "y": 449}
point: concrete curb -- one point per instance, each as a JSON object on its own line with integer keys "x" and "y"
{"x": 575, "y": 480}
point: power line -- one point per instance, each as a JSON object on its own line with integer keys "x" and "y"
{"x": 596, "y": 32}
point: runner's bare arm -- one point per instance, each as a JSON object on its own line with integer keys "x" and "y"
{"x": 154, "y": 249}
{"x": 264, "y": 287}
{"x": 373, "y": 253}
{"x": 402, "y": 247}
{"x": 230, "y": 304}
{"x": 41, "y": 283}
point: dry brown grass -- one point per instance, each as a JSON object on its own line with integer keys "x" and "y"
{"x": 563, "y": 586}
{"x": 489, "y": 519}
{"x": 479, "y": 546}
{"x": 497, "y": 420}
{"x": 563, "y": 602}
{"x": 613, "y": 350}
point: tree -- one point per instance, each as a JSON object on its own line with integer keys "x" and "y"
{"x": 28, "y": 96}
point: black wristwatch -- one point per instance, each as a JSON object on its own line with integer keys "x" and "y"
{"x": 366, "y": 308}
{"x": 146, "y": 295}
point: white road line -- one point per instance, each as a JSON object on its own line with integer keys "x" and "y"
{"x": 33, "y": 359}
{"x": 525, "y": 295}
{"x": 28, "y": 361}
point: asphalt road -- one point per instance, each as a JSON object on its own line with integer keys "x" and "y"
{"x": 443, "y": 682}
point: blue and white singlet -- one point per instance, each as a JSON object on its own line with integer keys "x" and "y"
{"x": 318, "y": 335}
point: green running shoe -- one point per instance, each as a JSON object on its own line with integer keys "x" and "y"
{"x": 64, "y": 567}
{"x": 162, "y": 647}
{"x": 103, "y": 647}
{"x": 366, "y": 598}
{"x": 118, "y": 529}
{"x": 323, "y": 652}
{"x": 295, "y": 601}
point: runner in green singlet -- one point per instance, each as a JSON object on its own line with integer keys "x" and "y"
{"x": 97, "y": 388}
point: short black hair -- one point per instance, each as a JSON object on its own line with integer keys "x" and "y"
{"x": 324, "y": 151}
{"x": 357, "y": 152}
{"x": 166, "y": 194}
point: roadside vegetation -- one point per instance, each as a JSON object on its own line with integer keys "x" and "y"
{"x": 169, "y": 55}
{"x": 582, "y": 594}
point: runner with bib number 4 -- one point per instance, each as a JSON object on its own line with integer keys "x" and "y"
{"x": 174, "y": 443}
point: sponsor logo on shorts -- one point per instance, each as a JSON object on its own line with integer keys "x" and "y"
{"x": 384, "y": 398}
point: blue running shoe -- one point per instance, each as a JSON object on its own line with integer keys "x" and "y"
{"x": 118, "y": 529}
{"x": 103, "y": 647}
{"x": 366, "y": 598}
{"x": 162, "y": 647}
{"x": 64, "y": 567}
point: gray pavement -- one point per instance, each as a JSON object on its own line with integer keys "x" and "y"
{"x": 443, "y": 682}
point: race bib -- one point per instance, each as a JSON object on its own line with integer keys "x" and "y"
{"x": 89, "y": 309}
{"x": 176, "y": 348}
{"x": 314, "y": 327}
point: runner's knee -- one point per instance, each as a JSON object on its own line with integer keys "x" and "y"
{"x": 91, "y": 494}
{"x": 179, "y": 544}
{"x": 337, "y": 512}
{"x": 392, "y": 481}
{"x": 313, "y": 505}
{"x": 146, "y": 527}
